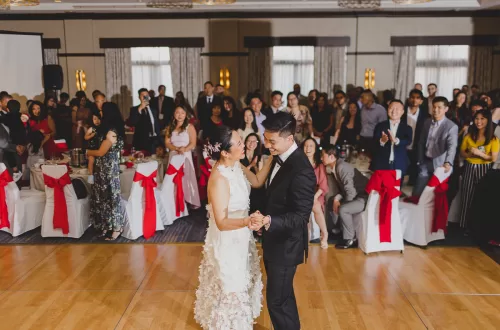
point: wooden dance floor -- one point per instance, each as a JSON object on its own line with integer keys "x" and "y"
{"x": 133, "y": 286}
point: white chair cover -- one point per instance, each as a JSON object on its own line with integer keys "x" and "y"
{"x": 78, "y": 209}
{"x": 369, "y": 231}
{"x": 135, "y": 205}
{"x": 417, "y": 219}
{"x": 25, "y": 208}
{"x": 168, "y": 191}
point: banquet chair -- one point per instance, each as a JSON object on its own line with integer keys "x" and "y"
{"x": 65, "y": 215}
{"x": 419, "y": 219}
{"x": 24, "y": 208}
{"x": 172, "y": 191}
{"x": 374, "y": 235}
{"x": 142, "y": 220}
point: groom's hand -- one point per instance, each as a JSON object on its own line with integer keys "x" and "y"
{"x": 256, "y": 221}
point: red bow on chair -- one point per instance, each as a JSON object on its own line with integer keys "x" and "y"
{"x": 149, "y": 218}
{"x": 440, "y": 203}
{"x": 205, "y": 172}
{"x": 5, "y": 178}
{"x": 384, "y": 182}
{"x": 60, "y": 218}
{"x": 179, "y": 195}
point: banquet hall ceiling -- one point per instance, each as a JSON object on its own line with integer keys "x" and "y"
{"x": 120, "y": 6}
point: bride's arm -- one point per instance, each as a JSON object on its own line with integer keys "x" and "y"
{"x": 218, "y": 192}
{"x": 258, "y": 180}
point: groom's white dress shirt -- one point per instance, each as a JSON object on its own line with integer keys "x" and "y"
{"x": 284, "y": 156}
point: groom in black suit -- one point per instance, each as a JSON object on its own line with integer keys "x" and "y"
{"x": 290, "y": 190}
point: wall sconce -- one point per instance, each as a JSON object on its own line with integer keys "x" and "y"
{"x": 369, "y": 78}
{"x": 81, "y": 82}
{"x": 225, "y": 78}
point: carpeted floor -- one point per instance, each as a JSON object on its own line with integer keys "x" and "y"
{"x": 187, "y": 229}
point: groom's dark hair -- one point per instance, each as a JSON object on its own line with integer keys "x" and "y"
{"x": 282, "y": 123}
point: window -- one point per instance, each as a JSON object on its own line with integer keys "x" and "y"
{"x": 446, "y": 66}
{"x": 150, "y": 69}
{"x": 293, "y": 65}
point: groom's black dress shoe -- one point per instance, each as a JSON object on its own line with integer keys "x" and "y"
{"x": 347, "y": 244}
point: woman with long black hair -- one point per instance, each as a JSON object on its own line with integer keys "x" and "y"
{"x": 480, "y": 150}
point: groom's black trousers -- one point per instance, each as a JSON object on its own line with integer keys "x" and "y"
{"x": 280, "y": 296}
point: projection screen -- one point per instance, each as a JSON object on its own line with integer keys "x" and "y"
{"x": 21, "y": 64}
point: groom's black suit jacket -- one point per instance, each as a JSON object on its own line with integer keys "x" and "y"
{"x": 289, "y": 199}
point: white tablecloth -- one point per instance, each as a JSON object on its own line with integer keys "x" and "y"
{"x": 126, "y": 178}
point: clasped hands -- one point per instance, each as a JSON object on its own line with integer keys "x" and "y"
{"x": 257, "y": 221}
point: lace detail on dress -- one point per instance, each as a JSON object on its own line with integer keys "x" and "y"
{"x": 229, "y": 296}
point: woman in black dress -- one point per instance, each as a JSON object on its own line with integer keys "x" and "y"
{"x": 253, "y": 161}
{"x": 231, "y": 115}
{"x": 349, "y": 130}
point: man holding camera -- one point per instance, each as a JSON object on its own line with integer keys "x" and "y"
{"x": 145, "y": 120}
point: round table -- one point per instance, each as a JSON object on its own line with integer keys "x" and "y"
{"x": 126, "y": 178}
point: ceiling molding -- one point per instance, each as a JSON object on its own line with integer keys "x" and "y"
{"x": 248, "y": 15}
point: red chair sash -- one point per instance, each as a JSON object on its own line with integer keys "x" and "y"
{"x": 384, "y": 182}
{"x": 440, "y": 216}
{"x": 5, "y": 178}
{"x": 60, "y": 218}
{"x": 149, "y": 217}
{"x": 179, "y": 190}
{"x": 205, "y": 172}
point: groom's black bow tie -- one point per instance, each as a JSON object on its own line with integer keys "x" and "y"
{"x": 278, "y": 160}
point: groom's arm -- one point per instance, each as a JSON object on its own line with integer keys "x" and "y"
{"x": 301, "y": 201}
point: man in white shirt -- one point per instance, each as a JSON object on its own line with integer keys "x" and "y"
{"x": 415, "y": 116}
{"x": 437, "y": 145}
{"x": 205, "y": 103}
{"x": 393, "y": 137}
{"x": 289, "y": 199}
{"x": 145, "y": 120}
{"x": 276, "y": 104}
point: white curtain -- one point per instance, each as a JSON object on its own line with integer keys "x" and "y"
{"x": 446, "y": 66}
{"x": 404, "y": 70}
{"x": 259, "y": 68}
{"x": 50, "y": 56}
{"x": 293, "y": 65}
{"x": 187, "y": 72}
{"x": 150, "y": 69}
{"x": 119, "y": 78}
{"x": 330, "y": 69}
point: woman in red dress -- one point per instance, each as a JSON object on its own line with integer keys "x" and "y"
{"x": 41, "y": 121}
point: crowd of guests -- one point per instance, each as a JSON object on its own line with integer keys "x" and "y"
{"x": 415, "y": 135}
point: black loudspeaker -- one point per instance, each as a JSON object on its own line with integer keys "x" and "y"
{"x": 53, "y": 77}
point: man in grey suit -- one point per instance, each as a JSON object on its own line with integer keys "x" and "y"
{"x": 437, "y": 144}
{"x": 351, "y": 199}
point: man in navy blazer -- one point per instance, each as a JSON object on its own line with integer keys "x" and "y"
{"x": 392, "y": 136}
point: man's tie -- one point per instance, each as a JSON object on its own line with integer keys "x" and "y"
{"x": 278, "y": 160}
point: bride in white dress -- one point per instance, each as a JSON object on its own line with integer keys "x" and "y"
{"x": 229, "y": 296}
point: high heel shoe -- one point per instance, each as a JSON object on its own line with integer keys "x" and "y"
{"x": 112, "y": 237}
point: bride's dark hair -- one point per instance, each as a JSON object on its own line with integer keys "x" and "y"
{"x": 218, "y": 141}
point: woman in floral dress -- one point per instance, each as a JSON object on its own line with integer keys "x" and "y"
{"x": 105, "y": 211}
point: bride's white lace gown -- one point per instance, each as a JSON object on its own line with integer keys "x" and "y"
{"x": 230, "y": 293}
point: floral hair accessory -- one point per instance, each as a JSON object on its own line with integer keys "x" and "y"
{"x": 211, "y": 148}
